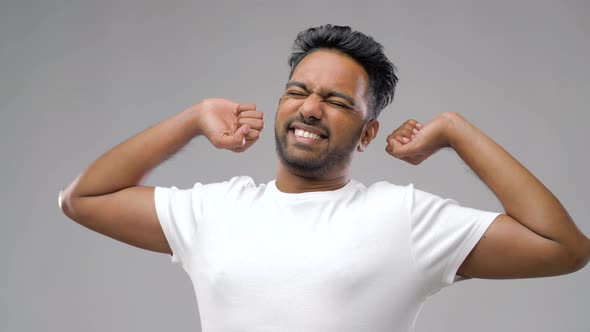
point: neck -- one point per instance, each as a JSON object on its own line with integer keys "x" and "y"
{"x": 291, "y": 181}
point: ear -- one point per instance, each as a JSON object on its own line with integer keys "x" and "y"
{"x": 369, "y": 133}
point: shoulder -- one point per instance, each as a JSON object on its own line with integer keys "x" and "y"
{"x": 407, "y": 195}
{"x": 409, "y": 192}
{"x": 237, "y": 185}
{"x": 386, "y": 194}
{"x": 240, "y": 183}
{"x": 388, "y": 188}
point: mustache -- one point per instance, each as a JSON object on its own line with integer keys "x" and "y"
{"x": 316, "y": 123}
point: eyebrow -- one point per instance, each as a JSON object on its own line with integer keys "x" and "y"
{"x": 326, "y": 95}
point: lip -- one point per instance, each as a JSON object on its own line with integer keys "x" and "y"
{"x": 312, "y": 130}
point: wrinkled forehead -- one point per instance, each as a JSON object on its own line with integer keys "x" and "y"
{"x": 332, "y": 70}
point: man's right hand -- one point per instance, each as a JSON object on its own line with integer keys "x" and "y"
{"x": 229, "y": 125}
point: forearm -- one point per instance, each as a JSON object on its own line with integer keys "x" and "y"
{"x": 522, "y": 195}
{"x": 129, "y": 162}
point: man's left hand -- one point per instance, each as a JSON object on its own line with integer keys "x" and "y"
{"x": 414, "y": 142}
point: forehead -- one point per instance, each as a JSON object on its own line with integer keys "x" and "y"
{"x": 332, "y": 70}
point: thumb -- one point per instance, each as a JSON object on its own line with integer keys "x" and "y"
{"x": 238, "y": 138}
{"x": 402, "y": 150}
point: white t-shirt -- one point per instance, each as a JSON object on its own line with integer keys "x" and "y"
{"x": 352, "y": 259}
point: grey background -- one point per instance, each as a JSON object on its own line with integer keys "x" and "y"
{"x": 77, "y": 77}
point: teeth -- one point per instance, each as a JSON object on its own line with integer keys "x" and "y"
{"x": 306, "y": 134}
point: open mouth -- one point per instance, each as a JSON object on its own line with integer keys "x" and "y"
{"x": 306, "y": 134}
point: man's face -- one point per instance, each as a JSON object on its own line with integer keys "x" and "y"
{"x": 322, "y": 114}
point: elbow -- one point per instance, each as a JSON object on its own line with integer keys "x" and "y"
{"x": 585, "y": 257}
{"x": 66, "y": 204}
{"x": 581, "y": 256}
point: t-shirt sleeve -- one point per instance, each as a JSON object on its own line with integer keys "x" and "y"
{"x": 183, "y": 213}
{"x": 443, "y": 233}
{"x": 179, "y": 217}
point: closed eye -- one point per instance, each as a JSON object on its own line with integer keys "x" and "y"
{"x": 338, "y": 104}
{"x": 295, "y": 93}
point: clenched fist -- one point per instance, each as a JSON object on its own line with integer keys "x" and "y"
{"x": 229, "y": 125}
{"x": 414, "y": 142}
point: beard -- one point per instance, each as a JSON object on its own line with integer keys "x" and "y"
{"x": 314, "y": 164}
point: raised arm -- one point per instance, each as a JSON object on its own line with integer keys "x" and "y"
{"x": 535, "y": 237}
{"x": 108, "y": 197}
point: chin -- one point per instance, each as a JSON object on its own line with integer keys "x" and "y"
{"x": 314, "y": 167}
{"x": 308, "y": 164}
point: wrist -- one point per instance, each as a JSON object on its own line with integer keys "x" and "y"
{"x": 455, "y": 126}
{"x": 193, "y": 118}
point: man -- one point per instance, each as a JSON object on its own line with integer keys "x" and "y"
{"x": 315, "y": 250}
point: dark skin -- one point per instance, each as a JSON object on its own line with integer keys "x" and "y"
{"x": 535, "y": 237}
{"x": 329, "y": 90}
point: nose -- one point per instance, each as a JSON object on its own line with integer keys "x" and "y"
{"x": 311, "y": 108}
